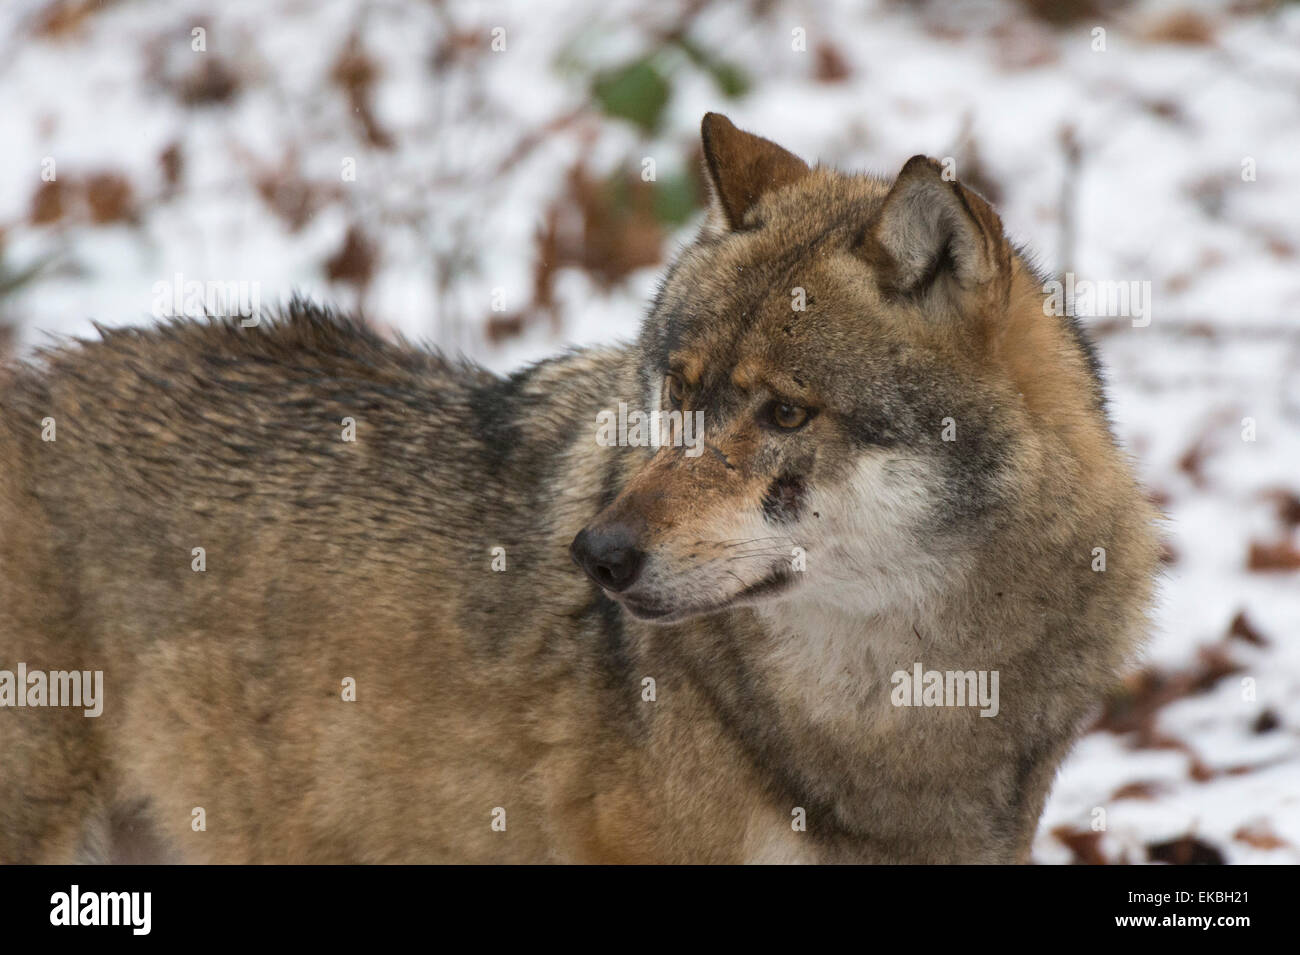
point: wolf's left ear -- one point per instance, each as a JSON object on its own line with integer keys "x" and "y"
{"x": 742, "y": 168}
{"x": 934, "y": 234}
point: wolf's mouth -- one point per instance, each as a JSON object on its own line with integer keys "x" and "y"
{"x": 641, "y": 610}
{"x": 776, "y": 581}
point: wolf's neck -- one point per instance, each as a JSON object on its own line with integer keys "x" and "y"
{"x": 833, "y": 665}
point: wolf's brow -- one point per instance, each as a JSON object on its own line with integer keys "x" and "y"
{"x": 747, "y": 374}
{"x": 691, "y": 365}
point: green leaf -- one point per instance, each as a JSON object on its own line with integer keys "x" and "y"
{"x": 731, "y": 79}
{"x": 637, "y": 92}
{"x": 675, "y": 199}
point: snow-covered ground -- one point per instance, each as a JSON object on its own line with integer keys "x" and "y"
{"x": 453, "y": 170}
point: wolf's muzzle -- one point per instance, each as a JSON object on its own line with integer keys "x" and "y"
{"x": 609, "y": 556}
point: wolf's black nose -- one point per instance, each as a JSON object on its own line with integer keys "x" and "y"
{"x": 609, "y": 556}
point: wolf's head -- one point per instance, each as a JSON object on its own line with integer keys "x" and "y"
{"x": 868, "y": 358}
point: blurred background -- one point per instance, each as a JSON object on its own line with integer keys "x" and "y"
{"x": 507, "y": 177}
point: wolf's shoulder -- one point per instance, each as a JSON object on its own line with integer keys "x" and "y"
{"x": 302, "y": 334}
{"x": 300, "y": 356}
{"x": 301, "y": 343}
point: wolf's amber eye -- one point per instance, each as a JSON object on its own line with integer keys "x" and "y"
{"x": 676, "y": 389}
{"x": 787, "y": 417}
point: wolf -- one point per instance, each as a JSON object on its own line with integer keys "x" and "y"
{"x": 355, "y": 602}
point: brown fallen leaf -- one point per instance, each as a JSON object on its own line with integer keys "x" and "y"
{"x": 1266, "y": 722}
{"x": 499, "y": 328}
{"x": 1282, "y": 555}
{"x": 620, "y": 232}
{"x": 1183, "y": 27}
{"x": 1062, "y": 12}
{"x": 1187, "y": 850}
{"x": 210, "y": 83}
{"x": 356, "y": 73}
{"x": 1259, "y": 836}
{"x": 831, "y": 65}
{"x": 1084, "y": 844}
{"x": 110, "y": 198}
{"x": 1241, "y": 629}
{"x": 1138, "y": 790}
{"x": 49, "y": 203}
{"x": 354, "y": 262}
{"x": 64, "y": 17}
{"x": 172, "y": 163}
{"x": 1214, "y": 663}
{"x": 1287, "y": 503}
{"x": 1134, "y": 706}
{"x": 1192, "y": 461}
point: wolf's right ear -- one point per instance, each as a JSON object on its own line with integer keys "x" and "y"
{"x": 742, "y": 168}
{"x": 933, "y": 235}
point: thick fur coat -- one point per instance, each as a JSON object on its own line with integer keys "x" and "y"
{"x": 387, "y": 648}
